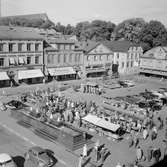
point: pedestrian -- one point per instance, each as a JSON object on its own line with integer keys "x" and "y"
{"x": 103, "y": 154}
{"x": 145, "y": 134}
{"x": 139, "y": 153}
{"x": 149, "y": 153}
{"x": 84, "y": 151}
{"x": 131, "y": 142}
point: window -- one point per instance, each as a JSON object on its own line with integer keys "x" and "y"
{"x": 37, "y": 46}
{"x": 1, "y": 47}
{"x": 131, "y": 63}
{"x": 20, "y": 45}
{"x": 1, "y": 62}
{"x": 29, "y": 47}
{"x": 117, "y": 55}
{"x": 58, "y": 58}
{"x": 36, "y": 59}
{"x": 123, "y": 64}
{"x": 127, "y": 65}
{"x": 28, "y": 60}
{"x": 88, "y": 58}
{"x": 11, "y": 47}
{"x": 108, "y": 57}
{"x": 58, "y": 47}
{"x": 70, "y": 58}
{"x": 65, "y": 58}
{"x": 79, "y": 57}
{"x": 62, "y": 47}
{"x": 95, "y": 58}
{"x": 67, "y": 47}
{"x": 101, "y": 57}
{"x": 76, "y": 57}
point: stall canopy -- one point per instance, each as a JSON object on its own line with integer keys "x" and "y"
{"x": 3, "y": 76}
{"x": 101, "y": 122}
{"x": 25, "y": 74}
{"x": 61, "y": 71}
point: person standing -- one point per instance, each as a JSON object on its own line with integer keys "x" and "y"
{"x": 139, "y": 153}
{"x": 85, "y": 151}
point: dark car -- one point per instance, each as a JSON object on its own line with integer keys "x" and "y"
{"x": 40, "y": 157}
{"x": 15, "y": 104}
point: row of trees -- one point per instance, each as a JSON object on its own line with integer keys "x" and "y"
{"x": 149, "y": 34}
{"x": 137, "y": 30}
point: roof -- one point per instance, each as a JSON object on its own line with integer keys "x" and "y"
{"x": 37, "y": 149}
{"x": 60, "y": 40}
{"x": 88, "y": 46}
{"x": 119, "y": 46}
{"x": 4, "y": 157}
{"x": 21, "y": 33}
{"x": 101, "y": 122}
{"x": 42, "y": 16}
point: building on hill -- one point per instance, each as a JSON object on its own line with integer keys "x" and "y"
{"x": 21, "y": 55}
{"x": 63, "y": 60}
{"x": 107, "y": 58}
{"x": 41, "y": 16}
{"x": 154, "y": 62}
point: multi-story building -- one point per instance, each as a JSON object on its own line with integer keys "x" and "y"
{"x": 126, "y": 56}
{"x": 154, "y": 62}
{"x": 102, "y": 58}
{"x": 97, "y": 59}
{"x": 21, "y": 55}
{"x": 63, "y": 60}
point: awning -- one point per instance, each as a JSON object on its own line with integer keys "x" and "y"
{"x": 91, "y": 119}
{"x": 3, "y": 76}
{"x": 21, "y": 60}
{"x": 61, "y": 71}
{"x": 101, "y": 122}
{"x": 11, "y": 60}
{"x": 108, "y": 125}
{"x": 25, "y": 74}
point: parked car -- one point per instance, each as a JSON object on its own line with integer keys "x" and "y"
{"x": 126, "y": 83}
{"x": 40, "y": 157}
{"x": 6, "y": 160}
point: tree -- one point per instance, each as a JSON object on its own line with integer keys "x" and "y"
{"x": 129, "y": 29}
{"x": 153, "y": 34}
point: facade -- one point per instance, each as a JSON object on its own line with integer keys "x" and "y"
{"x": 63, "y": 60}
{"x": 97, "y": 60}
{"x": 21, "y": 55}
{"x": 154, "y": 62}
{"x": 110, "y": 57}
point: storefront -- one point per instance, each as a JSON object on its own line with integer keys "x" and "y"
{"x": 96, "y": 73}
{"x": 30, "y": 76}
{"x": 4, "y": 80}
{"x": 63, "y": 73}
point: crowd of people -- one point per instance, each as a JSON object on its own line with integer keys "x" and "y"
{"x": 51, "y": 106}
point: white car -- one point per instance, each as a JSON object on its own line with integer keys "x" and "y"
{"x": 6, "y": 161}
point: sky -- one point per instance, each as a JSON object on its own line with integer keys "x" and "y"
{"x": 74, "y": 11}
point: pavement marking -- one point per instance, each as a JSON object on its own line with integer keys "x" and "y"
{"x": 27, "y": 140}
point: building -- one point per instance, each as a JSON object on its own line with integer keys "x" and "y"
{"x": 21, "y": 55}
{"x": 126, "y": 56}
{"x": 106, "y": 58}
{"x": 63, "y": 59}
{"x": 154, "y": 62}
{"x": 97, "y": 59}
